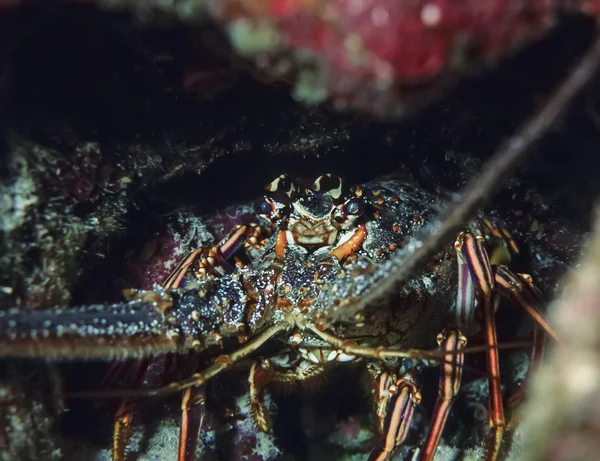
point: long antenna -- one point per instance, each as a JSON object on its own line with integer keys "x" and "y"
{"x": 481, "y": 188}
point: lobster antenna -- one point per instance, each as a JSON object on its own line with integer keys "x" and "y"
{"x": 480, "y": 188}
{"x": 166, "y": 390}
{"x": 220, "y": 364}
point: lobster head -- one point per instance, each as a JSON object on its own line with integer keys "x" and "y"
{"x": 311, "y": 214}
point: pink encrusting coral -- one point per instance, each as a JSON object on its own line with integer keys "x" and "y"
{"x": 155, "y": 261}
{"x": 381, "y": 56}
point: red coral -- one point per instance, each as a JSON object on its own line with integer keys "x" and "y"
{"x": 383, "y": 56}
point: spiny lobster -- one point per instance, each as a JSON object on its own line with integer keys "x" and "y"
{"x": 325, "y": 244}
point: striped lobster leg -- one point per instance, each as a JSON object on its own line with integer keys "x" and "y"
{"x": 192, "y": 415}
{"x": 451, "y": 341}
{"x": 395, "y": 402}
{"x": 519, "y": 289}
{"x": 472, "y": 254}
{"x": 479, "y": 282}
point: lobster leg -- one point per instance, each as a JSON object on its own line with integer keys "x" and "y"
{"x": 478, "y": 282}
{"x": 121, "y": 430}
{"x": 280, "y": 369}
{"x": 520, "y": 290}
{"x": 260, "y": 376}
{"x": 174, "y": 279}
{"x": 192, "y": 415}
{"x": 452, "y": 341}
{"x": 384, "y": 386}
{"x": 203, "y": 261}
{"x": 350, "y": 246}
{"x": 219, "y": 258}
{"x": 124, "y": 416}
{"x": 395, "y": 402}
{"x": 480, "y": 270}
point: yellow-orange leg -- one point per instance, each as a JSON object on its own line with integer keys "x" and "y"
{"x": 124, "y": 416}
{"x": 279, "y": 369}
{"x": 451, "y": 341}
{"x": 384, "y": 385}
{"x": 258, "y": 379}
{"x": 400, "y": 397}
{"x": 121, "y": 431}
{"x": 350, "y": 246}
{"x": 350, "y": 347}
{"x": 192, "y": 415}
{"x": 122, "y": 421}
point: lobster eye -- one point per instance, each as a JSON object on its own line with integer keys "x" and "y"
{"x": 263, "y": 206}
{"x": 353, "y": 207}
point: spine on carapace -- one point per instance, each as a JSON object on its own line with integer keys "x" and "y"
{"x": 103, "y": 332}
